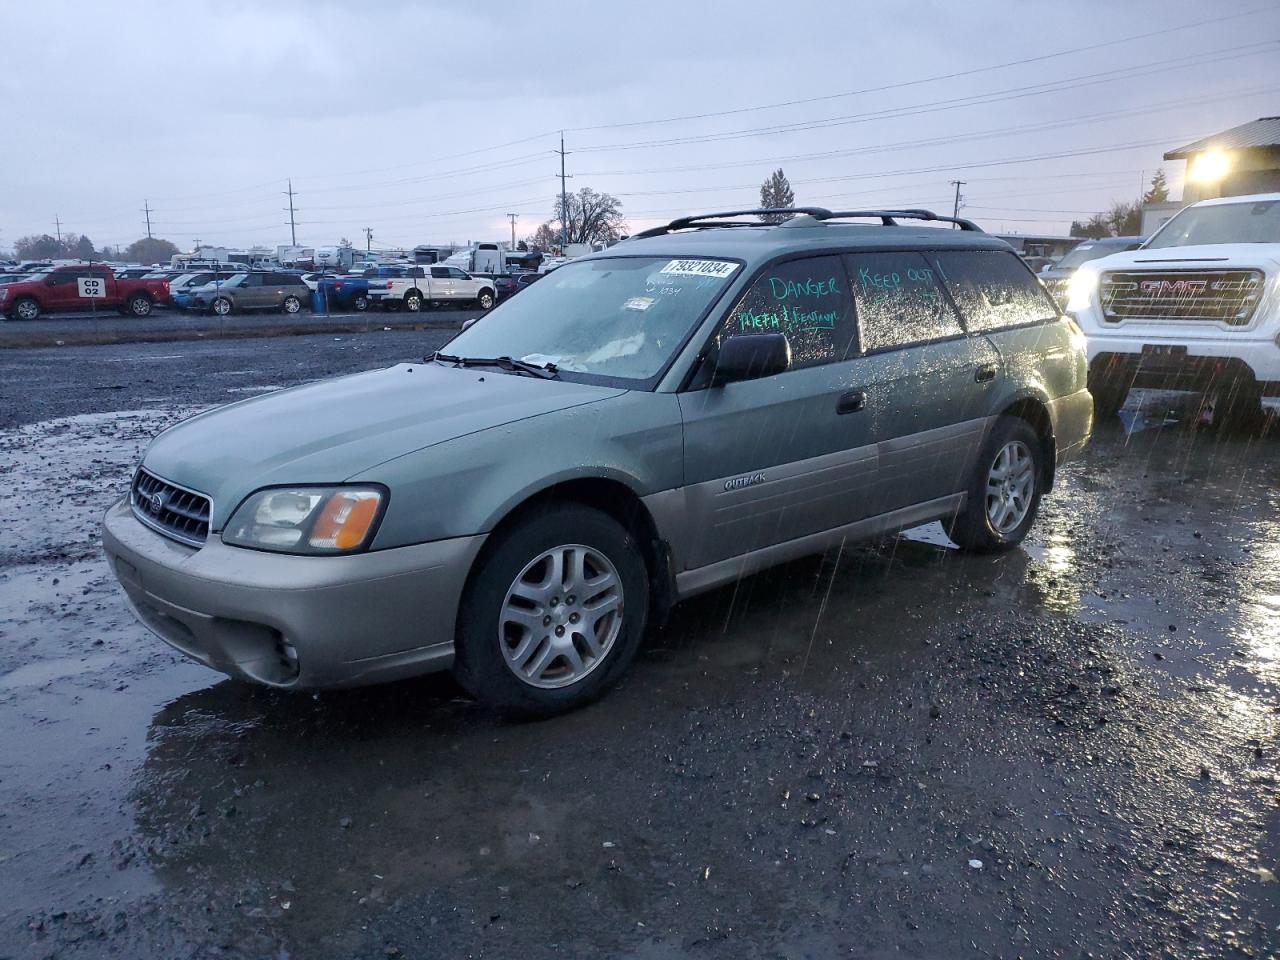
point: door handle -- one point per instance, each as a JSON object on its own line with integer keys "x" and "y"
{"x": 985, "y": 373}
{"x": 851, "y": 401}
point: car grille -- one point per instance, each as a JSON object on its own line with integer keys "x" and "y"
{"x": 169, "y": 509}
{"x": 1215, "y": 296}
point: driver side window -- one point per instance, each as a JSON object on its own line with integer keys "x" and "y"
{"x": 808, "y": 301}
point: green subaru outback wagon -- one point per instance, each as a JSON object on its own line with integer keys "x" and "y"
{"x": 688, "y": 407}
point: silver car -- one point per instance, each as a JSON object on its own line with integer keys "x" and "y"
{"x": 684, "y": 409}
{"x": 256, "y": 290}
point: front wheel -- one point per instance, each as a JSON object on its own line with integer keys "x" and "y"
{"x": 139, "y": 305}
{"x": 26, "y": 309}
{"x": 485, "y": 300}
{"x": 553, "y": 613}
{"x": 1004, "y": 494}
{"x": 413, "y": 301}
{"x": 291, "y": 305}
{"x": 361, "y": 303}
{"x": 221, "y": 306}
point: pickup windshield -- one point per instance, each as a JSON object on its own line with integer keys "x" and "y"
{"x": 620, "y": 318}
{"x": 1256, "y": 221}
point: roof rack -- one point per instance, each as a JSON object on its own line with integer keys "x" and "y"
{"x": 889, "y": 218}
{"x": 802, "y": 216}
{"x": 683, "y": 223}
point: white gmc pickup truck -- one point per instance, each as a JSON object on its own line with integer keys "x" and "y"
{"x": 432, "y": 286}
{"x": 1196, "y": 307}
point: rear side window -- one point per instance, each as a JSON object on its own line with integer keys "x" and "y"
{"x": 808, "y": 301}
{"x": 899, "y": 301}
{"x": 993, "y": 289}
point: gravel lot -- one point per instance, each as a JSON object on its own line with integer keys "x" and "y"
{"x": 899, "y": 751}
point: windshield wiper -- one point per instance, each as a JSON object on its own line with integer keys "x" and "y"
{"x": 546, "y": 371}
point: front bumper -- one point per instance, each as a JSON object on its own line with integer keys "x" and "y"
{"x": 297, "y": 622}
{"x": 1195, "y": 368}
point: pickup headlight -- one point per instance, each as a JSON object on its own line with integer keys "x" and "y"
{"x": 1080, "y": 289}
{"x": 313, "y": 521}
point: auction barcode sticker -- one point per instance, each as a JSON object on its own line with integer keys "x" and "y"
{"x": 700, "y": 268}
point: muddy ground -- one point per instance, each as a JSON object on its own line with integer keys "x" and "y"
{"x": 1066, "y": 751}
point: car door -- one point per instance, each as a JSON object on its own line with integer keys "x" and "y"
{"x": 441, "y": 284}
{"x": 252, "y": 292}
{"x": 61, "y": 291}
{"x": 926, "y": 380}
{"x": 781, "y": 457}
{"x": 463, "y": 285}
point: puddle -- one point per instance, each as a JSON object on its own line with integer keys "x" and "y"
{"x": 38, "y": 674}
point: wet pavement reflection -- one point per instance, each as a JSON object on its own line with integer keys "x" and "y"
{"x": 894, "y": 749}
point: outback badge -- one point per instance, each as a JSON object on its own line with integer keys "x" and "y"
{"x": 750, "y": 480}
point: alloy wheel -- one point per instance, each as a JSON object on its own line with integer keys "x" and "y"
{"x": 1010, "y": 486}
{"x": 561, "y": 616}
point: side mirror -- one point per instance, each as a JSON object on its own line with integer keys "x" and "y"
{"x": 750, "y": 357}
{"x": 468, "y": 324}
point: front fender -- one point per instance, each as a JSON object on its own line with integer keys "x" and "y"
{"x": 472, "y": 482}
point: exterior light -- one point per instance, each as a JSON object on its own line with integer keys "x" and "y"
{"x": 1210, "y": 166}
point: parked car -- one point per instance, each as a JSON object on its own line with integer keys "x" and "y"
{"x": 434, "y": 285}
{"x": 1194, "y": 308}
{"x": 635, "y": 429}
{"x": 1057, "y": 279}
{"x": 182, "y": 289}
{"x": 264, "y": 290}
{"x": 344, "y": 292}
{"x": 134, "y": 273}
{"x": 59, "y": 290}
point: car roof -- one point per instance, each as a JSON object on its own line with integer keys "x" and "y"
{"x": 1247, "y": 198}
{"x": 755, "y": 242}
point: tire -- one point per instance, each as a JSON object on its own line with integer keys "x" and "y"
{"x": 413, "y": 301}
{"x": 361, "y": 303}
{"x": 291, "y": 305}
{"x": 486, "y": 300}
{"x": 1109, "y": 382}
{"x": 510, "y": 621}
{"x": 221, "y": 306}
{"x": 138, "y": 305}
{"x": 1108, "y": 399}
{"x": 26, "y": 309}
{"x": 1237, "y": 405}
{"x": 1000, "y": 510}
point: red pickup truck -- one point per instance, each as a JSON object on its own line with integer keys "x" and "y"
{"x": 62, "y": 289}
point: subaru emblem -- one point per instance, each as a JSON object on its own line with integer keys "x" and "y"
{"x": 155, "y": 503}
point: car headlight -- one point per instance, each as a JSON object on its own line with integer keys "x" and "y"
{"x": 307, "y": 520}
{"x": 1080, "y": 289}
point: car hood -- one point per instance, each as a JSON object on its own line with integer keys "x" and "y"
{"x": 330, "y": 431}
{"x": 1207, "y": 256}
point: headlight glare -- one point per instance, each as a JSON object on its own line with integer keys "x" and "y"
{"x": 1080, "y": 289}
{"x": 307, "y": 520}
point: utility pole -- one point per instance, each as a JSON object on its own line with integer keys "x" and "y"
{"x": 564, "y": 198}
{"x": 293, "y": 224}
{"x": 146, "y": 208}
{"x": 368, "y": 239}
{"x": 955, "y": 209}
{"x": 512, "y": 217}
{"x": 57, "y": 224}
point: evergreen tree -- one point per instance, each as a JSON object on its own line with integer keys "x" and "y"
{"x": 776, "y": 193}
{"x": 1158, "y": 192}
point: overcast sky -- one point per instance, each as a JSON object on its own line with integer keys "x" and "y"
{"x": 429, "y": 123}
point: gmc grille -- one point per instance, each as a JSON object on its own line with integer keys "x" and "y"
{"x": 1213, "y": 296}
{"x": 169, "y": 509}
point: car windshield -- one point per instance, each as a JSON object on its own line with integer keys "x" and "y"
{"x": 1256, "y": 221}
{"x": 620, "y": 318}
{"x": 1086, "y": 252}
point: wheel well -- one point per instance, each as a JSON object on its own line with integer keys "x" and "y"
{"x": 1037, "y": 415}
{"x": 621, "y": 503}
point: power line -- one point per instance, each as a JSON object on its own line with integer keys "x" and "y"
{"x": 933, "y": 79}
{"x": 933, "y": 106}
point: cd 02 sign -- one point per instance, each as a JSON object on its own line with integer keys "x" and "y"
{"x": 92, "y": 288}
